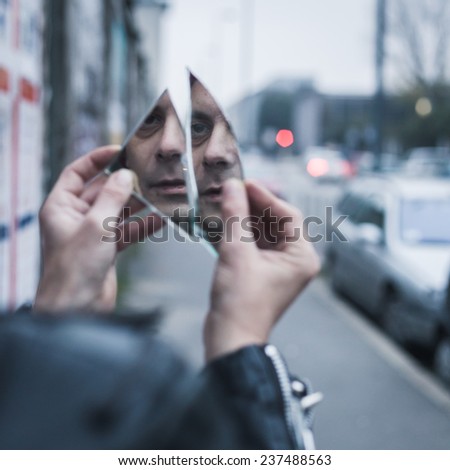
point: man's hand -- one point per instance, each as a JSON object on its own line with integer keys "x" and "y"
{"x": 255, "y": 280}
{"x": 78, "y": 267}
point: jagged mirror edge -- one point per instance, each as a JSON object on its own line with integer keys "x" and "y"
{"x": 191, "y": 181}
{"x": 186, "y": 161}
{"x": 199, "y": 232}
{"x": 116, "y": 164}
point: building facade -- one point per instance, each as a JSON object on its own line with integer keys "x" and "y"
{"x": 74, "y": 75}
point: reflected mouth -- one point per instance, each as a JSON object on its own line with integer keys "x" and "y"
{"x": 170, "y": 187}
{"x": 213, "y": 193}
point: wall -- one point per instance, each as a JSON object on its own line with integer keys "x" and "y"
{"x": 21, "y": 147}
{"x": 74, "y": 75}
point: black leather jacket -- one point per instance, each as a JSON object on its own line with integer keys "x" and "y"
{"x": 95, "y": 383}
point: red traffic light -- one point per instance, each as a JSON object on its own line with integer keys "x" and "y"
{"x": 284, "y": 138}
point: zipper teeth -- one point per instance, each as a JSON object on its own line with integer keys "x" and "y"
{"x": 285, "y": 386}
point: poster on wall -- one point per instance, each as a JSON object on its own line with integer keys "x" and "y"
{"x": 5, "y": 146}
{"x": 21, "y": 149}
{"x": 29, "y": 194}
{"x": 5, "y": 187}
{"x": 29, "y": 141}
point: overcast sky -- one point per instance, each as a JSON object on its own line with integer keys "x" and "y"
{"x": 329, "y": 41}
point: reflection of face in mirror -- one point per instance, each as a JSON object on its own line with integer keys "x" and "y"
{"x": 154, "y": 154}
{"x": 215, "y": 151}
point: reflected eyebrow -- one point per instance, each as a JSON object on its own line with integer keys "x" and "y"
{"x": 204, "y": 116}
{"x": 201, "y": 115}
{"x": 156, "y": 109}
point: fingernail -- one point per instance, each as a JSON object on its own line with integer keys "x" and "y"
{"x": 124, "y": 178}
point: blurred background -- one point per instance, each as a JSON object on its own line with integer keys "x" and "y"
{"x": 341, "y": 108}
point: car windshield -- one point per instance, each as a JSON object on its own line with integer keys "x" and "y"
{"x": 425, "y": 221}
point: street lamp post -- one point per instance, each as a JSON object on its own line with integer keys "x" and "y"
{"x": 379, "y": 67}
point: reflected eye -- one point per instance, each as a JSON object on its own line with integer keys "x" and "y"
{"x": 152, "y": 119}
{"x": 200, "y": 131}
{"x": 151, "y": 124}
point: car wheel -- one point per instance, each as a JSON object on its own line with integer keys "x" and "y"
{"x": 389, "y": 320}
{"x": 442, "y": 360}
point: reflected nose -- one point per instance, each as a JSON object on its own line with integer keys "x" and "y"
{"x": 172, "y": 143}
{"x": 221, "y": 151}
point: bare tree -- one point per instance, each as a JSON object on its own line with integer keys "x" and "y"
{"x": 419, "y": 36}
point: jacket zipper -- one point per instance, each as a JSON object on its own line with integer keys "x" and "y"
{"x": 293, "y": 410}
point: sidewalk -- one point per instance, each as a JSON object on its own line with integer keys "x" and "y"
{"x": 173, "y": 276}
{"x": 376, "y": 396}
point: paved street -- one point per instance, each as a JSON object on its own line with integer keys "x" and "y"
{"x": 376, "y": 395}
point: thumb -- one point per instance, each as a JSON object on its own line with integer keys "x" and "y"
{"x": 112, "y": 197}
{"x": 235, "y": 214}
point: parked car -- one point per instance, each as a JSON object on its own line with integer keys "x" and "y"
{"x": 364, "y": 163}
{"x": 442, "y": 350}
{"x": 325, "y": 164}
{"x": 427, "y": 162}
{"x": 395, "y": 259}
